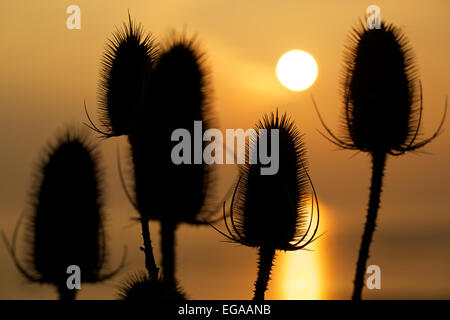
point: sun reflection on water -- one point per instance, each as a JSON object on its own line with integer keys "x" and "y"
{"x": 301, "y": 274}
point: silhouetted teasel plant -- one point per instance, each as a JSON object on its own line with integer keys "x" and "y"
{"x": 139, "y": 287}
{"x": 65, "y": 225}
{"x": 382, "y": 112}
{"x": 125, "y": 74}
{"x": 127, "y": 69}
{"x": 179, "y": 95}
{"x": 271, "y": 212}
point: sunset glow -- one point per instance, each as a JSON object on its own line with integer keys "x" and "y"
{"x": 245, "y": 61}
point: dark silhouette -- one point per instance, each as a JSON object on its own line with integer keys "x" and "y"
{"x": 382, "y": 114}
{"x": 139, "y": 287}
{"x": 147, "y": 95}
{"x": 65, "y": 226}
{"x": 126, "y": 70}
{"x": 178, "y": 96}
{"x": 125, "y": 79}
{"x": 270, "y": 211}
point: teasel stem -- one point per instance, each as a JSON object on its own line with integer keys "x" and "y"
{"x": 168, "y": 228}
{"x": 378, "y": 165}
{"x": 150, "y": 263}
{"x": 266, "y": 258}
{"x": 66, "y": 294}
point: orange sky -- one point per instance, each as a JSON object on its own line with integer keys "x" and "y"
{"x": 46, "y": 71}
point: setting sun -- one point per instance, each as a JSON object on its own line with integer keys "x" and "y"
{"x": 297, "y": 70}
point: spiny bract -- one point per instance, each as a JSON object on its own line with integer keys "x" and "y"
{"x": 272, "y": 210}
{"x": 383, "y": 106}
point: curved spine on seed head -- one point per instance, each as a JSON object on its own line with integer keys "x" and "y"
{"x": 270, "y": 212}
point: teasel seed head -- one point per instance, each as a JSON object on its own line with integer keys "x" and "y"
{"x": 178, "y": 96}
{"x": 65, "y": 226}
{"x": 182, "y": 80}
{"x": 272, "y": 211}
{"x": 381, "y": 92}
{"x": 139, "y": 287}
{"x": 125, "y": 75}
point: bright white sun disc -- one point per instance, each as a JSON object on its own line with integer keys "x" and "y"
{"x": 297, "y": 70}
